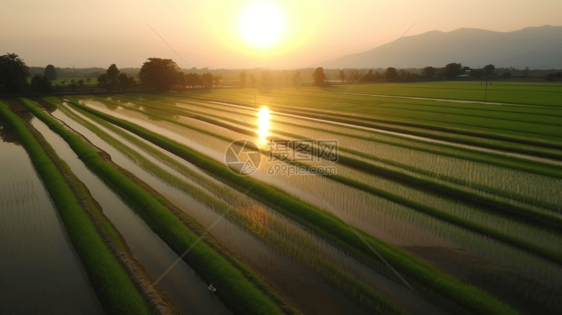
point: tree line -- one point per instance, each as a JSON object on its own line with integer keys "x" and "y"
{"x": 450, "y": 72}
{"x": 319, "y": 76}
{"x": 164, "y": 75}
{"x": 155, "y": 74}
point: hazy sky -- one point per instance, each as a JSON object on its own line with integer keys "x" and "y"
{"x": 208, "y": 33}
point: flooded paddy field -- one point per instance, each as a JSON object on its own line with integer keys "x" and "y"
{"x": 397, "y": 223}
{"x": 40, "y": 272}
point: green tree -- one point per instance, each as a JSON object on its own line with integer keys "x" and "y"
{"x": 208, "y": 79}
{"x": 353, "y": 75}
{"x": 41, "y": 84}
{"x": 526, "y": 72}
{"x": 319, "y": 76}
{"x": 266, "y": 79}
{"x": 216, "y": 80}
{"x": 110, "y": 79}
{"x": 452, "y": 70}
{"x": 159, "y": 74}
{"x": 13, "y": 74}
{"x": 50, "y": 72}
{"x": 125, "y": 82}
{"x": 252, "y": 80}
{"x": 192, "y": 79}
{"x": 489, "y": 70}
{"x": 102, "y": 80}
{"x": 296, "y": 79}
{"x": 341, "y": 75}
{"x": 429, "y": 72}
{"x": 242, "y": 76}
{"x": 391, "y": 74}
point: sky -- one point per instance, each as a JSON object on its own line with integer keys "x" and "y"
{"x": 284, "y": 34}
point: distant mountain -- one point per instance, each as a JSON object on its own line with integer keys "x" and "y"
{"x": 533, "y": 47}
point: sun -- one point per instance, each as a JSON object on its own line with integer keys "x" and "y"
{"x": 261, "y": 25}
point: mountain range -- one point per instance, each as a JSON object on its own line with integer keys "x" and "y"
{"x": 533, "y": 47}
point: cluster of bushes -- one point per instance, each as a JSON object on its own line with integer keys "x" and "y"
{"x": 13, "y": 77}
{"x": 449, "y": 72}
{"x": 554, "y": 76}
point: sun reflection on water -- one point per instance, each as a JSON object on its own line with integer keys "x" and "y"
{"x": 263, "y": 125}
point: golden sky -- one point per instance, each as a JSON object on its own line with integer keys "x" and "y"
{"x": 223, "y": 34}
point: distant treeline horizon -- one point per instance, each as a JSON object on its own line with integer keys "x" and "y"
{"x": 164, "y": 75}
{"x": 233, "y": 74}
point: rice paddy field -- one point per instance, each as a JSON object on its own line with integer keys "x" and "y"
{"x": 444, "y": 198}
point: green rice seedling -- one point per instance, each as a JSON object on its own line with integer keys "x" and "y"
{"x": 297, "y": 246}
{"x": 238, "y": 292}
{"x": 327, "y": 226}
{"x": 113, "y": 286}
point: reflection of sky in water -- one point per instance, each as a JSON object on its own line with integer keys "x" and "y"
{"x": 34, "y": 251}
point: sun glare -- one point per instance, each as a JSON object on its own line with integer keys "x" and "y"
{"x": 261, "y": 25}
{"x": 263, "y": 124}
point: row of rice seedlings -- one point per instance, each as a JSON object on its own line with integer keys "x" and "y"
{"x": 486, "y": 199}
{"x": 516, "y": 161}
{"x": 297, "y": 246}
{"x": 239, "y": 292}
{"x": 524, "y": 93}
{"x": 516, "y": 142}
{"x": 250, "y": 216}
{"x": 546, "y": 116}
{"x": 177, "y": 197}
{"x": 469, "y": 194}
{"x": 115, "y": 289}
{"x": 445, "y": 172}
{"x": 401, "y": 139}
{"x": 189, "y": 204}
{"x": 339, "y": 233}
{"x": 147, "y": 247}
{"x": 229, "y": 195}
{"x": 548, "y": 188}
{"x": 33, "y": 237}
{"x": 444, "y": 215}
{"x": 519, "y": 132}
{"x": 537, "y": 235}
{"x": 195, "y": 122}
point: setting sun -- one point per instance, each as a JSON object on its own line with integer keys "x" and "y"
{"x": 261, "y": 25}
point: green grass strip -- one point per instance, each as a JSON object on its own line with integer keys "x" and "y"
{"x": 238, "y": 294}
{"x": 114, "y": 288}
{"x": 328, "y": 226}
